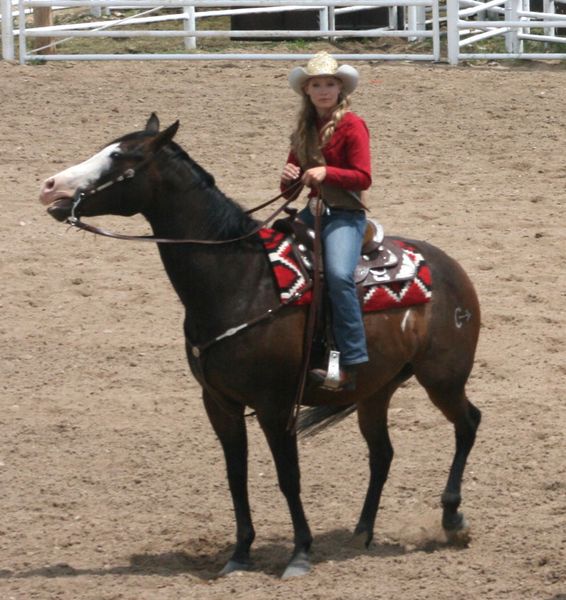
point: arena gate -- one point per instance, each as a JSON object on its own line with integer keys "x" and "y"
{"x": 490, "y": 29}
{"x": 523, "y": 33}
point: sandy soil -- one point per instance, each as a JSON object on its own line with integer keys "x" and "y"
{"x": 112, "y": 482}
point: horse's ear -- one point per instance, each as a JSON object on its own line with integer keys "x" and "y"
{"x": 164, "y": 137}
{"x": 152, "y": 125}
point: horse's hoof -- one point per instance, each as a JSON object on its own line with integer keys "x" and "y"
{"x": 458, "y": 533}
{"x": 299, "y": 565}
{"x": 360, "y": 541}
{"x": 232, "y": 566}
{"x": 453, "y": 521}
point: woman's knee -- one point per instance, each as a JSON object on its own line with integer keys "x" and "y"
{"x": 339, "y": 278}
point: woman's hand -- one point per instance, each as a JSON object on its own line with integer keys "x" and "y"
{"x": 290, "y": 173}
{"x": 314, "y": 176}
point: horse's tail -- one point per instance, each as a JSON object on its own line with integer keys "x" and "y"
{"x": 314, "y": 420}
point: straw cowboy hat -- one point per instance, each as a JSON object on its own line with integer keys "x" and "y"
{"x": 323, "y": 65}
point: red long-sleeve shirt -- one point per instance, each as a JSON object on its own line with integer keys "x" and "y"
{"x": 347, "y": 155}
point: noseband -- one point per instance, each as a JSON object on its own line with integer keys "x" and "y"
{"x": 80, "y": 194}
{"x": 130, "y": 173}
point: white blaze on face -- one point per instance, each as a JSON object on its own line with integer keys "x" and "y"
{"x": 66, "y": 183}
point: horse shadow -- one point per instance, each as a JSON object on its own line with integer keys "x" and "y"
{"x": 269, "y": 558}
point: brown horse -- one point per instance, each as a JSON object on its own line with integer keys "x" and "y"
{"x": 225, "y": 284}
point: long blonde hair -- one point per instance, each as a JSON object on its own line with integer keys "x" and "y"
{"x": 306, "y": 142}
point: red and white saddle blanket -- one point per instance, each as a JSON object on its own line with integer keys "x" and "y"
{"x": 292, "y": 282}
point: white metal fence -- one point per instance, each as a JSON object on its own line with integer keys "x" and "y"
{"x": 422, "y": 22}
{"x": 489, "y": 29}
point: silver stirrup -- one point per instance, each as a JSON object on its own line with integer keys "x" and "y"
{"x": 332, "y": 381}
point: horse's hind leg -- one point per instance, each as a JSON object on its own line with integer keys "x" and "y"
{"x": 466, "y": 419}
{"x": 372, "y": 419}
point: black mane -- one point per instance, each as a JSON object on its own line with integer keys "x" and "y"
{"x": 225, "y": 218}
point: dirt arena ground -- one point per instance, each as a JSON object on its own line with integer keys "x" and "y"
{"x": 112, "y": 482}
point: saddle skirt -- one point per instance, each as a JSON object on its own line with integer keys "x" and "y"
{"x": 390, "y": 272}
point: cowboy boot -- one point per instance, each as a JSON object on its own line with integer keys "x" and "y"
{"x": 346, "y": 379}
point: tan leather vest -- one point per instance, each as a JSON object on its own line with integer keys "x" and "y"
{"x": 336, "y": 197}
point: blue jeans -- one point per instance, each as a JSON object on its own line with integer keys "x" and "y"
{"x": 342, "y": 237}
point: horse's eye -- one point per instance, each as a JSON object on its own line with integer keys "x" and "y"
{"x": 116, "y": 155}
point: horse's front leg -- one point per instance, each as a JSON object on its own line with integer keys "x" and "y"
{"x": 283, "y": 445}
{"x": 228, "y": 423}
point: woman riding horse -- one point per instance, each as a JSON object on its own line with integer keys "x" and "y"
{"x": 246, "y": 352}
{"x": 330, "y": 154}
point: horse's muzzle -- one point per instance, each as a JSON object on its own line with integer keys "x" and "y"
{"x": 61, "y": 209}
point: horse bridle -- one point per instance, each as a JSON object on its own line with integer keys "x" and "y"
{"x": 130, "y": 173}
{"x": 75, "y": 221}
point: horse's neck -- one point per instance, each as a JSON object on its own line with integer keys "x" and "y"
{"x": 222, "y": 285}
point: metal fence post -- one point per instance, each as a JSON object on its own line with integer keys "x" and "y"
{"x": 513, "y": 44}
{"x": 332, "y": 22}
{"x": 436, "y": 30}
{"x": 22, "y": 40}
{"x": 323, "y": 20}
{"x": 453, "y": 33}
{"x": 7, "y": 30}
{"x": 190, "y": 25}
{"x": 548, "y": 6}
{"x": 393, "y": 17}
